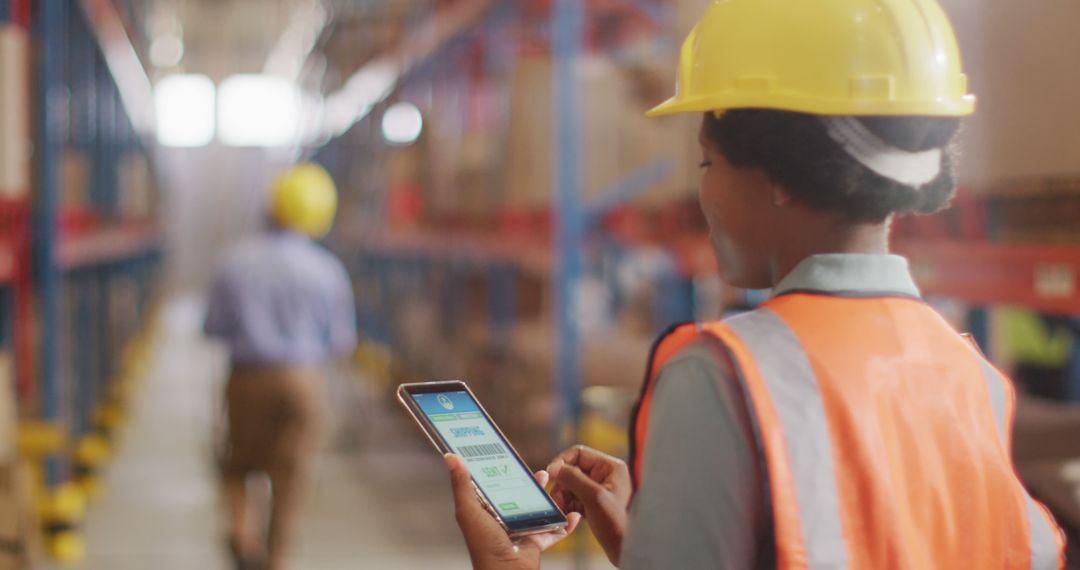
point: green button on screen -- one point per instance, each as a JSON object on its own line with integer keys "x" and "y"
{"x": 509, "y": 506}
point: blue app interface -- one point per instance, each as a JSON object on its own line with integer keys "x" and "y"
{"x": 508, "y": 486}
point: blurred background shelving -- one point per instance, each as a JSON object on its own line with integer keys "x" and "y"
{"x": 80, "y": 247}
{"x": 478, "y": 193}
{"x": 508, "y": 215}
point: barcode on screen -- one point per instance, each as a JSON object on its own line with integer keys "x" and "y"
{"x": 482, "y": 450}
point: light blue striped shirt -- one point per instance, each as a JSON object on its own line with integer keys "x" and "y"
{"x": 282, "y": 299}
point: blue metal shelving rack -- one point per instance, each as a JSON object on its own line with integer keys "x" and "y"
{"x": 74, "y": 274}
{"x": 567, "y": 40}
{"x": 48, "y": 27}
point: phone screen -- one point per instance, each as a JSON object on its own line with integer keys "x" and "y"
{"x": 508, "y": 486}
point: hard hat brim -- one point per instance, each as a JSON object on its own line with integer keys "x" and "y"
{"x": 781, "y": 102}
{"x": 671, "y": 107}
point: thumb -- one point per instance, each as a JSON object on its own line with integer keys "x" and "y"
{"x": 578, "y": 483}
{"x": 461, "y": 482}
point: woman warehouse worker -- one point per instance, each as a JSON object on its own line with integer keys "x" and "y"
{"x": 843, "y": 424}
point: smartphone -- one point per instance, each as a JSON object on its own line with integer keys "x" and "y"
{"x": 455, "y": 422}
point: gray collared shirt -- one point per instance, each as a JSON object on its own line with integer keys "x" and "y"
{"x": 704, "y": 501}
{"x": 282, "y": 299}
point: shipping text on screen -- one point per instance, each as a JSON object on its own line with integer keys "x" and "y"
{"x": 508, "y": 486}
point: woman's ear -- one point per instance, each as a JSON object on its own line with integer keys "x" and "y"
{"x": 780, "y": 197}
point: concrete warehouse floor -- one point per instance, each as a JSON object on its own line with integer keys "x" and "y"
{"x": 380, "y": 499}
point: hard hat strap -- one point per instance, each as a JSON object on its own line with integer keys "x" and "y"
{"x": 908, "y": 168}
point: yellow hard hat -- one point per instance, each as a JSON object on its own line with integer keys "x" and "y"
{"x": 826, "y": 57}
{"x": 305, "y": 200}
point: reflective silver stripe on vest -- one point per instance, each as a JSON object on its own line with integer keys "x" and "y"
{"x": 1044, "y": 549}
{"x": 1044, "y": 554}
{"x": 794, "y": 392}
{"x": 998, "y": 396}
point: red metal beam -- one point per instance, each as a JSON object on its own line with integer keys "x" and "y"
{"x": 19, "y": 12}
{"x": 1045, "y": 278}
{"x": 15, "y": 271}
{"x": 106, "y": 244}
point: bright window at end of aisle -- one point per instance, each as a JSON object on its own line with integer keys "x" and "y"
{"x": 185, "y": 110}
{"x": 402, "y": 124}
{"x": 258, "y": 110}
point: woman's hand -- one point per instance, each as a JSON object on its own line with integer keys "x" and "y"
{"x": 597, "y": 485}
{"x": 489, "y": 546}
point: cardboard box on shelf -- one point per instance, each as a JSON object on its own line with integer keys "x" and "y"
{"x": 616, "y": 360}
{"x": 529, "y": 178}
{"x": 612, "y": 359}
{"x": 686, "y": 13}
{"x": 1035, "y": 186}
{"x": 478, "y": 198}
{"x": 519, "y": 391}
{"x": 15, "y": 143}
{"x": 1019, "y": 57}
{"x": 670, "y": 140}
{"x": 20, "y": 543}
{"x": 616, "y": 139}
{"x": 137, "y": 192}
{"x": 442, "y": 159}
{"x": 1045, "y": 431}
{"x": 1047, "y": 456}
{"x": 423, "y": 352}
{"x": 123, "y": 312}
{"x": 522, "y": 391}
{"x": 75, "y": 178}
{"x": 605, "y": 120}
{"x": 404, "y": 165}
{"x": 1054, "y": 484}
{"x": 8, "y": 410}
{"x": 532, "y": 294}
{"x": 1047, "y": 219}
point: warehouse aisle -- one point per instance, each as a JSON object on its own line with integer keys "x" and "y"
{"x": 160, "y": 506}
{"x": 380, "y": 499}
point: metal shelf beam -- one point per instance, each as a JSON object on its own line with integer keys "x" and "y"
{"x": 1045, "y": 278}
{"x": 567, "y": 46}
{"x": 49, "y": 25}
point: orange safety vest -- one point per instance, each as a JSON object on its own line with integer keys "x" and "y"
{"x": 886, "y": 436}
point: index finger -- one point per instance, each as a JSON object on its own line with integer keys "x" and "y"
{"x": 584, "y": 457}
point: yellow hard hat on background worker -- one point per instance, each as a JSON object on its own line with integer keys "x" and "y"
{"x": 304, "y": 199}
{"x": 827, "y": 57}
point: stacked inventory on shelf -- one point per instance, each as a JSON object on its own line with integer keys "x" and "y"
{"x": 79, "y": 248}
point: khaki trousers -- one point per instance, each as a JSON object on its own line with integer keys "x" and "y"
{"x": 275, "y": 415}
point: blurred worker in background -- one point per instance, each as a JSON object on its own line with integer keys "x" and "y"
{"x": 843, "y": 424}
{"x": 1040, "y": 347}
{"x": 284, "y": 306}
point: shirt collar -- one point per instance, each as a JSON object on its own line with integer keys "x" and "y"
{"x": 288, "y": 234}
{"x": 851, "y": 273}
